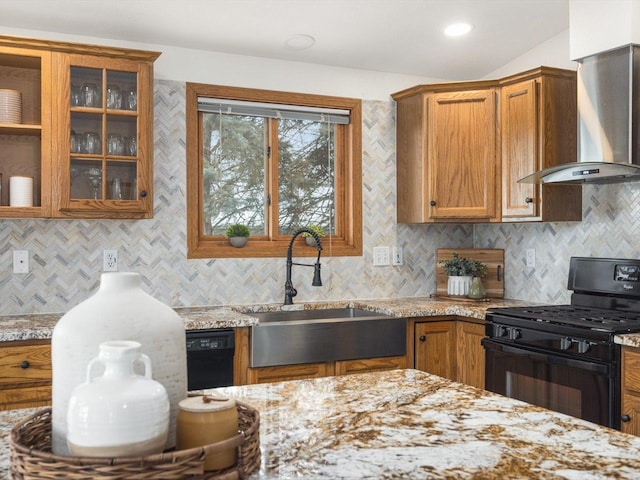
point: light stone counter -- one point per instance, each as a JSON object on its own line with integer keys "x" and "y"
{"x": 409, "y": 424}
{"x": 30, "y": 327}
{"x": 628, "y": 339}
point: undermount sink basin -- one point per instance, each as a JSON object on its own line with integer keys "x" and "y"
{"x": 327, "y": 315}
{"x": 308, "y": 336}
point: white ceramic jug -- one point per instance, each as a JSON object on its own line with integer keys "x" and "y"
{"x": 119, "y": 310}
{"x": 119, "y": 413}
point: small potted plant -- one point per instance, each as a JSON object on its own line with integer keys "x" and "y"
{"x": 318, "y": 230}
{"x": 237, "y": 235}
{"x": 461, "y": 272}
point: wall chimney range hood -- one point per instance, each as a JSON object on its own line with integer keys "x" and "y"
{"x": 608, "y": 122}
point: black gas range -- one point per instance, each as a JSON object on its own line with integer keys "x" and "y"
{"x": 563, "y": 357}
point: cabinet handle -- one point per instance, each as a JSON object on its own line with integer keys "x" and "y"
{"x": 625, "y": 418}
{"x": 25, "y": 364}
{"x": 423, "y": 338}
{"x": 143, "y": 193}
{"x": 432, "y": 203}
{"x": 528, "y": 200}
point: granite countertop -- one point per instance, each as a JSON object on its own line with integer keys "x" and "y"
{"x": 40, "y": 326}
{"x": 410, "y": 424}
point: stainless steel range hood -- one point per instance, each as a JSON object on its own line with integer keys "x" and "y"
{"x": 608, "y": 122}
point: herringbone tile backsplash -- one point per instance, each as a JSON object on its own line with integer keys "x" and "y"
{"x": 66, "y": 255}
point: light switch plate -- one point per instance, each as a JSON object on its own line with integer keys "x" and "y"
{"x": 381, "y": 256}
{"x": 530, "y": 259}
{"x": 21, "y": 261}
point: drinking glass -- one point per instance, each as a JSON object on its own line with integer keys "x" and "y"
{"x": 114, "y": 97}
{"x": 116, "y": 189}
{"x": 92, "y": 143}
{"x": 77, "y": 98}
{"x": 131, "y": 99}
{"x": 131, "y": 146}
{"x": 95, "y": 181}
{"x": 115, "y": 144}
{"x": 91, "y": 95}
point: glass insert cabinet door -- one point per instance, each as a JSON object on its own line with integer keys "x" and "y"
{"x": 105, "y": 137}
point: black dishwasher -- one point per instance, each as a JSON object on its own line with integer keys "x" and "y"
{"x": 210, "y": 358}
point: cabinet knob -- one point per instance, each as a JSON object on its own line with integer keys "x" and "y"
{"x": 432, "y": 203}
{"x": 528, "y": 200}
{"x": 625, "y": 418}
{"x": 423, "y": 338}
{"x": 143, "y": 193}
{"x": 25, "y": 364}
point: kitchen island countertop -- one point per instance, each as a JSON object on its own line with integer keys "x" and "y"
{"x": 409, "y": 424}
{"x": 40, "y": 326}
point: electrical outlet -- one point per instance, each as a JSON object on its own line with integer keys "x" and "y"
{"x": 396, "y": 256}
{"x": 530, "y": 257}
{"x": 109, "y": 260}
{"x": 21, "y": 261}
{"x": 381, "y": 256}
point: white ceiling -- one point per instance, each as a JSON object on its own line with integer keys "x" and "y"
{"x": 398, "y": 36}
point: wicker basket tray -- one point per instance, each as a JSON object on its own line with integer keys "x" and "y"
{"x": 31, "y": 457}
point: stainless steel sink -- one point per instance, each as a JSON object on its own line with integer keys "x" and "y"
{"x": 327, "y": 315}
{"x": 310, "y": 336}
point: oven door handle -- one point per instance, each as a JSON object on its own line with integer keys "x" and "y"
{"x": 599, "y": 368}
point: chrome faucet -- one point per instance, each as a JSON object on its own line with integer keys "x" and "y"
{"x": 289, "y": 291}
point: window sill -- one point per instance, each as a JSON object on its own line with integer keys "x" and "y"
{"x": 266, "y": 249}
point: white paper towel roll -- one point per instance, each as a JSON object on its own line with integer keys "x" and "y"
{"x": 21, "y": 191}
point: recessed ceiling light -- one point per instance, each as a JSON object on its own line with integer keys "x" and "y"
{"x": 458, "y": 29}
{"x": 300, "y": 42}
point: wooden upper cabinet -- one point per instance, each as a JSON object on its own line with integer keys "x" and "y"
{"x": 461, "y": 155}
{"x": 86, "y": 136}
{"x": 462, "y": 147}
{"x": 538, "y": 130}
{"x": 103, "y": 156}
{"x": 446, "y": 155}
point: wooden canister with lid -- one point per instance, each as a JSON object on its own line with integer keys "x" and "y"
{"x": 204, "y": 420}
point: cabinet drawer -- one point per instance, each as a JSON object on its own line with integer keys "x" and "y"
{"x": 370, "y": 365}
{"x": 26, "y": 364}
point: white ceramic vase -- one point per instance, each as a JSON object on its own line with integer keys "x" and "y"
{"x": 458, "y": 285}
{"x": 118, "y": 413}
{"x": 119, "y": 310}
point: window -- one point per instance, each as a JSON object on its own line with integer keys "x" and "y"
{"x": 276, "y": 162}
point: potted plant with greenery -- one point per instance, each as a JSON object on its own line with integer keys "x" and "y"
{"x": 461, "y": 272}
{"x": 237, "y": 235}
{"x": 477, "y": 290}
{"x": 309, "y": 239}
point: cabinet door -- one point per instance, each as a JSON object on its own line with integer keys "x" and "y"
{"x": 25, "y": 132}
{"x": 103, "y": 149}
{"x": 362, "y": 365}
{"x": 462, "y": 155}
{"x": 289, "y": 372}
{"x": 435, "y": 348}
{"x": 470, "y": 353}
{"x": 630, "y": 390}
{"x": 519, "y": 103}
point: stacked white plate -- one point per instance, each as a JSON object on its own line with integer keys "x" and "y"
{"x": 10, "y": 106}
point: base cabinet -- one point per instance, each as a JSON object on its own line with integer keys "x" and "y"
{"x": 25, "y": 374}
{"x": 451, "y": 349}
{"x": 630, "y": 391}
{"x": 316, "y": 370}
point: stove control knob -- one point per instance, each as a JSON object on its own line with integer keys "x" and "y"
{"x": 565, "y": 343}
{"x": 500, "y": 331}
{"x": 583, "y": 346}
{"x": 514, "y": 333}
